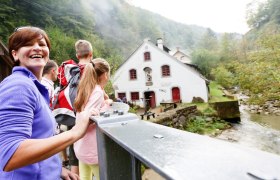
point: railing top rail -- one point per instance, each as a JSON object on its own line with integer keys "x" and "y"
{"x": 177, "y": 154}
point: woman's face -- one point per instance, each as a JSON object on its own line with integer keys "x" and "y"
{"x": 33, "y": 56}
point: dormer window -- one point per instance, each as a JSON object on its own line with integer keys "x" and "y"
{"x": 165, "y": 71}
{"x": 132, "y": 74}
{"x": 147, "y": 56}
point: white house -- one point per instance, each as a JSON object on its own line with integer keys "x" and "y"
{"x": 151, "y": 74}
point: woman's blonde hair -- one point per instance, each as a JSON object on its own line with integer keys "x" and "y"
{"x": 90, "y": 77}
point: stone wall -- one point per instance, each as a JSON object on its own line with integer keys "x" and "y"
{"x": 227, "y": 110}
{"x": 177, "y": 118}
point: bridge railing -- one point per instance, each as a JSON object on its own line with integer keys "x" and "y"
{"x": 125, "y": 141}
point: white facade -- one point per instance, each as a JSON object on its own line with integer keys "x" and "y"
{"x": 189, "y": 82}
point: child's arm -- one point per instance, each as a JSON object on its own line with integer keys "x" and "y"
{"x": 108, "y": 101}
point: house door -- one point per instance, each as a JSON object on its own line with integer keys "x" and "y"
{"x": 150, "y": 98}
{"x": 176, "y": 94}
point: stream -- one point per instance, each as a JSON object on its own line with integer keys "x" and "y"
{"x": 256, "y": 131}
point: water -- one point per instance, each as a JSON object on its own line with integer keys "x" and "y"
{"x": 256, "y": 131}
{"x": 271, "y": 121}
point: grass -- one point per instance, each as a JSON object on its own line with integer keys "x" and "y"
{"x": 208, "y": 122}
{"x": 201, "y": 126}
{"x": 216, "y": 93}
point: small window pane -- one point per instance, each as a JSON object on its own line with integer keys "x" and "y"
{"x": 134, "y": 96}
{"x": 132, "y": 74}
{"x": 147, "y": 56}
{"x": 165, "y": 70}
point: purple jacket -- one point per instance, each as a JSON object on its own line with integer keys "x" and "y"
{"x": 25, "y": 114}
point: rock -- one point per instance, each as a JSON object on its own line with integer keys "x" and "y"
{"x": 182, "y": 120}
{"x": 197, "y": 100}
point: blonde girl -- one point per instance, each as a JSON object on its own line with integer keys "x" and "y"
{"x": 90, "y": 96}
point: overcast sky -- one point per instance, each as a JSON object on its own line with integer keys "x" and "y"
{"x": 219, "y": 15}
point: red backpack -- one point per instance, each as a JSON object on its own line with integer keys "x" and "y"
{"x": 69, "y": 73}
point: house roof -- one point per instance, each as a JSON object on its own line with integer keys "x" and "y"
{"x": 181, "y": 52}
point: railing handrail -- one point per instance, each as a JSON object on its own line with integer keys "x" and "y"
{"x": 175, "y": 154}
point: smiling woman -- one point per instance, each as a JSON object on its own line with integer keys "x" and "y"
{"x": 27, "y": 127}
{"x": 29, "y": 47}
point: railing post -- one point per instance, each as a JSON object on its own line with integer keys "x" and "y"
{"x": 115, "y": 163}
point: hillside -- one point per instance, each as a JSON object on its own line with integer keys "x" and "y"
{"x": 111, "y": 24}
{"x": 126, "y": 26}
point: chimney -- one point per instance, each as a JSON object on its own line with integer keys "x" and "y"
{"x": 178, "y": 48}
{"x": 160, "y": 43}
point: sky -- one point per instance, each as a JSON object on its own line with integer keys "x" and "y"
{"x": 219, "y": 15}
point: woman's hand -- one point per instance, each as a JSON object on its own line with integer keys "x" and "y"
{"x": 68, "y": 175}
{"x": 82, "y": 122}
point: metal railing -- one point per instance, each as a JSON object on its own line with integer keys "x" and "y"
{"x": 125, "y": 141}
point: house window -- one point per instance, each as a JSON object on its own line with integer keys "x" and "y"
{"x": 134, "y": 96}
{"x": 121, "y": 95}
{"x": 165, "y": 70}
{"x": 132, "y": 74}
{"x": 147, "y": 56}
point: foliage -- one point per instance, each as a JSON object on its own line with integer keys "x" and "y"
{"x": 223, "y": 76}
{"x": 260, "y": 13}
{"x": 262, "y": 73}
{"x": 205, "y": 121}
{"x": 62, "y": 45}
{"x": 205, "y": 60}
{"x": 209, "y": 41}
{"x": 133, "y": 109}
{"x": 258, "y": 74}
{"x": 201, "y": 125}
{"x": 126, "y": 26}
{"x": 253, "y": 63}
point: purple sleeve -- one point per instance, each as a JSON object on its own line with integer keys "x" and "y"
{"x": 17, "y": 105}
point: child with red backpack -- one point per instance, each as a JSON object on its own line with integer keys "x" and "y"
{"x": 69, "y": 74}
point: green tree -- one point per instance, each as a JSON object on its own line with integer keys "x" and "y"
{"x": 205, "y": 60}
{"x": 223, "y": 76}
{"x": 209, "y": 41}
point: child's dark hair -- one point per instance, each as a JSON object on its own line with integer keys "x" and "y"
{"x": 48, "y": 67}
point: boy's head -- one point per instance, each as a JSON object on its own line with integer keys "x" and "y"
{"x": 51, "y": 69}
{"x": 83, "y": 49}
